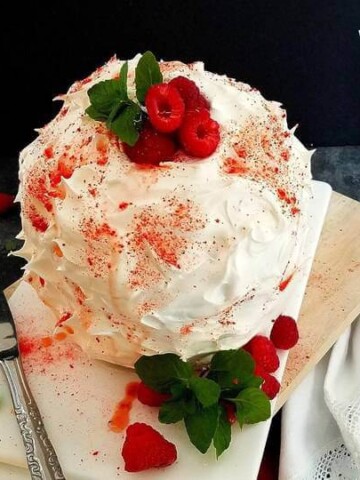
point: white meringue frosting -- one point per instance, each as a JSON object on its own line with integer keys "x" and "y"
{"x": 188, "y": 257}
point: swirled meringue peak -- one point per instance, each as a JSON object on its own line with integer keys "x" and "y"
{"x": 189, "y": 256}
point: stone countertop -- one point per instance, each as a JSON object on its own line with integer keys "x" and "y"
{"x": 338, "y": 166}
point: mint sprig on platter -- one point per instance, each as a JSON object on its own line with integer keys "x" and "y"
{"x": 200, "y": 401}
{"x": 109, "y": 101}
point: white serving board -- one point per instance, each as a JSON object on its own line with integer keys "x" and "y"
{"x": 9, "y": 472}
{"x": 77, "y": 402}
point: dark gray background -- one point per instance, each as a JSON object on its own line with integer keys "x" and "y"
{"x": 304, "y": 53}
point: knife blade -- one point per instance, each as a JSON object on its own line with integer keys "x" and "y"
{"x": 40, "y": 454}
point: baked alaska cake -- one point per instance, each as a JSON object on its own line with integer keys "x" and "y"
{"x": 162, "y": 219}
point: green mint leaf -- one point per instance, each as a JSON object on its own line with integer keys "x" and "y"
{"x": 147, "y": 73}
{"x": 178, "y": 390}
{"x": 201, "y": 427}
{"x": 190, "y": 404}
{"x": 206, "y": 391}
{"x": 125, "y": 124}
{"x": 232, "y": 367}
{"x": 230, "y": 389}
{"x": 160, "y": 372}
{"x": 172, "y": 411}
{"x": 104, "y": 95}
{"x": 183, "y": 400}
{"x": 252, "y": 406}
{"x": 116, "y": 110}
{"x": 123, "y": 80}
{"x": 236, "y": 361}
{"x": 251, "y": 381}
{"x": 222, "y": 436}
{"x": 95, "y": 115}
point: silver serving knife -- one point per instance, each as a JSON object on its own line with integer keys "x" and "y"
{"x": 40, "y": 454}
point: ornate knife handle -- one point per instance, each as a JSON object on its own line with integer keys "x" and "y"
{"x": 40, "y": 454}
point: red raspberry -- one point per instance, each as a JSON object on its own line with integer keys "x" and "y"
{"x": 190, "y": 93}
{"x": 6, "y": 202}
{"x": 230, "y": 412}
{"x": 165, "y": 107}
{"x": 146, "y": 448}
{"x": 201, "y": 104}
{"x": 152, "y": 147}
{"x": 148, "y": 396}
{"x": 199, "y": 134}
{"x": 270, "y": 385}
{"x": 263, "y": 352}
{"x": 284, "y": 333}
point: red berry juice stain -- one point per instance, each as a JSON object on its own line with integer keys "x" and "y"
{"x": 120, "y": 419}
{"x": 38, "y": 222}
{"x": 102, "y": 147}
{"x": 27, "y": 346}
{"x": 38, "y": 352}
{"x": 123, "y": 205}
{"x": 285, "y": 155}
{"x": 295, "y": 210}
{"x": 49, "y": 152}
{"x": 234, "y": 166}
{"x": 285, "y": 282}
{"x": 186, "y": 329}
{"x": 36, "y": 187}
{"x": 63, "y": 319}
{"x": 63, "y": 169}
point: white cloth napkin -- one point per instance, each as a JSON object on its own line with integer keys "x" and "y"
{"x": 321, "y": 421}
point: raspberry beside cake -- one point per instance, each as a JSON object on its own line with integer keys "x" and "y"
{"x": 189, "y": 255}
